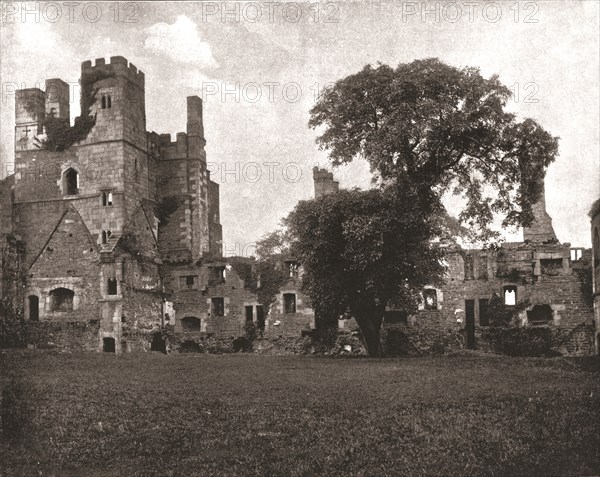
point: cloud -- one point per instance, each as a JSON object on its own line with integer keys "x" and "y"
{"x": 181, "y": 41}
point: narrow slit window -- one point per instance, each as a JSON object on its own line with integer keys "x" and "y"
{"x": 289, "y": 303}
{"x": 103, "y": 102}
{"x": 108, "y": 101}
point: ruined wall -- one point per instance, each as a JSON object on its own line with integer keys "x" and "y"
{"x": 324, "y": 182}
{"x": 541, "y": 274}
{"x": 196, "y": 300}
{"x": 595, "y": 230}
{"x": 68, "y": 260}
{"x": 6, "y": 186}
{"x": 281, "y": 322}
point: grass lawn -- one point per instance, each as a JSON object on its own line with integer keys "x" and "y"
{"x": 181, "y": 415}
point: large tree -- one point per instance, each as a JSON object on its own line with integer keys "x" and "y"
{"x": 361, "y": 250}
{"x": 443, "y": 127}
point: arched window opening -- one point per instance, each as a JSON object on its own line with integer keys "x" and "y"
{"x": 190, "y": 323}
{"x": 103, "y": 102}
{"x": 112, "y": 286}
{"x": 34, "y": 308}
{"x": 108, "y": 101}
{"x": 61, "y": 299}
{"x": 71, "y": 182}
{"x": 540, "y": 314}
{"x": 510, "y": 295}
{"x": 289, "y": 303}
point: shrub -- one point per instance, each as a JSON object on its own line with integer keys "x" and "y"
{"x": 521, "y": 341}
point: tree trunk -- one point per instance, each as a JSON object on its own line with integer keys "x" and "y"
{"x": 370, "y": 327}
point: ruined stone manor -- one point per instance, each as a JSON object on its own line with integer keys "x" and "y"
{"x": 113, "y": 243}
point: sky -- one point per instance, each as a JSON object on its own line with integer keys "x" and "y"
{"x": 259, "y": 66}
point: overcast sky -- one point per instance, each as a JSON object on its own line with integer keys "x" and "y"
{"x": 259, "y": 65}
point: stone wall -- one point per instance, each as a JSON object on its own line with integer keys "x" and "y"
{"x": 595, "y": 230}
{"x": 541, "y": 274}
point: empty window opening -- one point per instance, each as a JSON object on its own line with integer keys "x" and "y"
{"x": 551, "y": 266}
{"x": 469, "y": 269}
{"x": 430, "y": 299}
{"x": 540, "y": 314}
{"x": 484, "y": 317}
{"x": 108, "y": 101}
{"x": 71, "y": 182}
{"x": 112, "y": 286}
{"x": 103, "y": 101}
{"x": 216, "y": 275}
{"x": 576, "y": 254}
{"x": 292, "y": 268}
{"x": 108, "y": 345}
{"x": 61, "y": 299}
{"x": 105, "y": 236}
{"x": 191, "y": 323}
{"x": 107, "y": 199}
{"x": 188, "y": 282}
{"x": 289, "y": 303}
{"x": 249, "y": 313}
{"x": 510, "y": 295}
{"x": 217, "y": 306}
{"x": 396, "y": 317}
{"x": 34, "y": 308}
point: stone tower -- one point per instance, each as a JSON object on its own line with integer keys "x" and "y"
{"x": 324, "y": 183}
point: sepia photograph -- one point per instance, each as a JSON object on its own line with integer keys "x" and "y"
{"x": 300, "y": 238}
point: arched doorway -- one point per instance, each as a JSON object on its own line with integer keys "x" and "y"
{"x": 34, "y": 308}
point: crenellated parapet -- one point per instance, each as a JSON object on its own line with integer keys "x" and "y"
{"x": 117, "y": 66}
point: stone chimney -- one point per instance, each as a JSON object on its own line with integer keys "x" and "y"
{"x": 541, "y": 229}
{"x": 324, "y": 183}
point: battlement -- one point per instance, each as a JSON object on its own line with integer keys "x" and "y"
{"x": 117, "y": 66}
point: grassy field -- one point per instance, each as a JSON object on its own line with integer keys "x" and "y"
{"x": 181, "y": 415}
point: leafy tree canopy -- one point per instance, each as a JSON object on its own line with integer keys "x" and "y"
{"x": 442, "y": 126}
{"x": 361, "y": 250}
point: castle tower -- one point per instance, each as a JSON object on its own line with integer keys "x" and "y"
{"x": 57, "y": 99}
{"x": 541, "y": 229}
{"x": 186, "y": 181}
{"x": 29, "y": 118}
{"x": 115, "y": 93}
{"x": 324, "y": 183}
